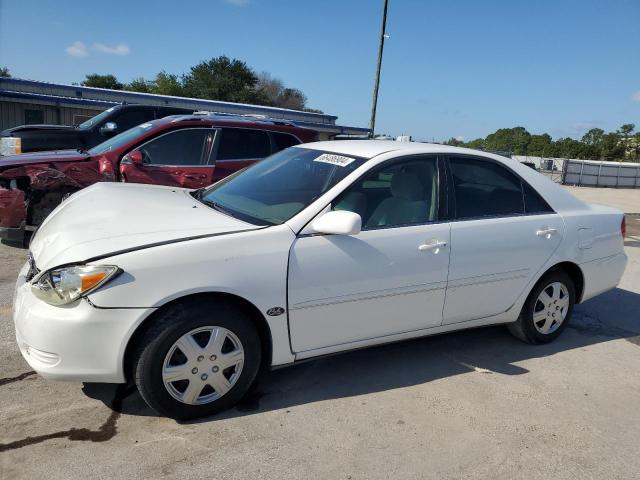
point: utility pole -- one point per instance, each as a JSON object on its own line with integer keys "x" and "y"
{"x": 372, "y": 123}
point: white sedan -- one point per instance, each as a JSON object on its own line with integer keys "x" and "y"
{"x": 317, "y": 249}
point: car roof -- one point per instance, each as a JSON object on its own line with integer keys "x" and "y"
{"x": 229, "y": 121}
{"x": 372, "y": 148}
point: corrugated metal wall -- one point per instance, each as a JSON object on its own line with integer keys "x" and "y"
{"x": 13, "y": 114}
{"x": 591, "y": 173}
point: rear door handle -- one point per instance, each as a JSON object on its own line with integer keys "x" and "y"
{"x": 546, "y": 232}
{"x": 435, "y": 246}
{"x": 193, "y": 176}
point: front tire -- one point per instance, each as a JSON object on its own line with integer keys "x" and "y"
{"x": 547, "y": 309}
{"x": 197, "y": 359}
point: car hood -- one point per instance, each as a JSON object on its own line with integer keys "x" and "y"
{"x": 42, "y": 157}
{"x": 110, "y": 218}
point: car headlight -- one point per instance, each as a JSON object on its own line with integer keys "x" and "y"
{"x": 63, "y": 285}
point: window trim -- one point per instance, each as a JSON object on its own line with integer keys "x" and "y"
{"x": 452, "y": 197}
{"x": 208, "y": 156}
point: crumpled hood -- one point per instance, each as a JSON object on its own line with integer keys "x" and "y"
{"x": 42, "y": 157}
{"x": 111, "y": 217}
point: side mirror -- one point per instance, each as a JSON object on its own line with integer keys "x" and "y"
{"x": 338, "y": 223}
{"x": 109, "y": 128}
{"x": 134, "y": 157}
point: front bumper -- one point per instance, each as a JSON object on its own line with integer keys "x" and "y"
{"x": 74, "y": 342}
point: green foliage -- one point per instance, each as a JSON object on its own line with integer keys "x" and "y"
{"x": 454, "y": 142}
{"x": 139, "y": 85}
{"x": 4, "y": 72}
{"x": 102, "y": 81}
{"x": 220, "y": 78}
{"x": 168, "y": 84}
{"x": 225, "y": 79}
{"x": 594, "y": 145}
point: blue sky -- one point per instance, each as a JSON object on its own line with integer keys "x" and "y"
{"x": 458, "y": 68}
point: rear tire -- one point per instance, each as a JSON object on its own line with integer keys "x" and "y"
{"x": 547, "y": 310}
{"x": 197, "y": 359}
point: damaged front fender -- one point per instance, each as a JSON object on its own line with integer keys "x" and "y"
{"x": 47, "y": 176}
{"x": 13, "y": 209}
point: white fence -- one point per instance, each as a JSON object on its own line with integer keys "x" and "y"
{"x": 588, "y": 173}
{"x": 593, "y": 173}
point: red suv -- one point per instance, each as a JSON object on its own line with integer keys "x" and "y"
{"x": 189, "y": 151}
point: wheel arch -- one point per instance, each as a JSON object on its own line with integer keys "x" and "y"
{"x": 575, "y": 272}
{"x": 249, "y": 308}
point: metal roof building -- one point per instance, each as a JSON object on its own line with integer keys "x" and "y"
{"x": 31, "y": 102}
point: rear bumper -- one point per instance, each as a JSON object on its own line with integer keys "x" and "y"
{"x": 602, "y": 274}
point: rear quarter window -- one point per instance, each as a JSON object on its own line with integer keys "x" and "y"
{"x": 283, "y": 140}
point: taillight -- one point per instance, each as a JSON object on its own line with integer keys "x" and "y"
{"x": 623, "y": 227}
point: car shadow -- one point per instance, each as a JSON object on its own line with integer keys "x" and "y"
{"x": 491, "y": 350}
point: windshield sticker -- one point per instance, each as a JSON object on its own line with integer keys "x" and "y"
{"x": 146, "y": 125}
{"x": 334, "y": 159}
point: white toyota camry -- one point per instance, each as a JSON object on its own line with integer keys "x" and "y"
{"x": 317, "y": 249}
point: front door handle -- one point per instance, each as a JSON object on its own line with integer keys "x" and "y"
{"x": 546, "y": 232}
{"x": 193, "y": 176}
{"x": 434, "y": 246}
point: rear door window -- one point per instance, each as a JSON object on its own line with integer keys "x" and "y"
{"x": 243, "y": 143}
{"x": 485, "y": 189}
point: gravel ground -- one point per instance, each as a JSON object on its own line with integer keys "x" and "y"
{"x": 473, "y": 404}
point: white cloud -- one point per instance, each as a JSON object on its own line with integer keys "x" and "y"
{"x": 460, "y": 138}
{"x": 77, "y": 49}
{"x": 120, "y": 49}
{"x": 237, "y": 3}
{"x": 584, "y": 126}
{"x": 636, "y": 97}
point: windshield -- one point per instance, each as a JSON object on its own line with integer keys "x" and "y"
{"x": 275, "y": 189}
{"x": 120, "y": 139}
{"x": 95, "y": 120}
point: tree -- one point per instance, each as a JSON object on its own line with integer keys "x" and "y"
{"x": 477, "y": 144}
{"x": 538, "y": 144}
{"x": 274, "y": 91}
{"x": 612, "y": 148}
{"x": 4, "y": 72}
{"x": 140, "y": 85}
{"x": 168, "y": 84}
{"x": 513, "y": 140}
{"x": 627, "y": 129}
{"x": 102, "y": 81}
{"x": 593, "y": 137}
{"x": 454, "y": 142}
{"x": 223, "y": 78}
